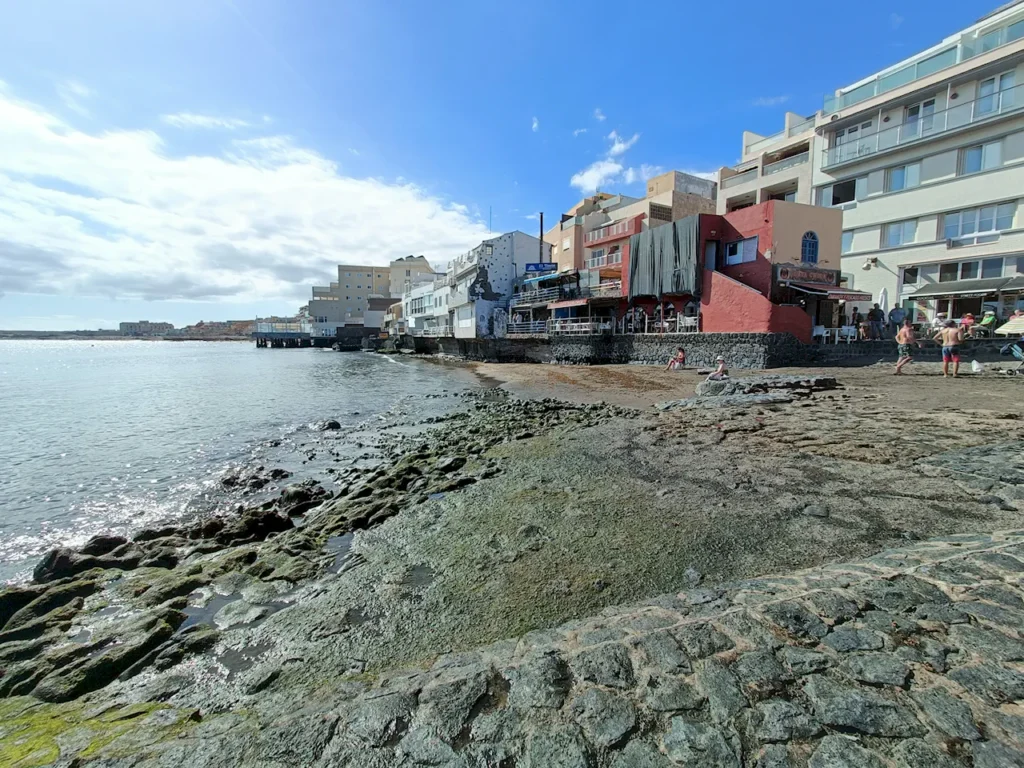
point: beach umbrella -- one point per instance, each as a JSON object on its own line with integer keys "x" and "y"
{"x": 883, "y": 300}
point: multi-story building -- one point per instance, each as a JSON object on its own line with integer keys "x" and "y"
{"x": 409, "y": 272}
{"x": 776, "y": 167}
{"x": 144, "y": 328}
{"x": 926, "y": 160}
{"x": 480, "y": 283}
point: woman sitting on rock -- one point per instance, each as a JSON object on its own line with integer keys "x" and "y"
{"x": 721, "y": 372}
{"x": 679, "y": 361}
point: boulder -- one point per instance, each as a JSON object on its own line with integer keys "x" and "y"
{"x": 50, "y": 600}
{"x": 63, "y": 562}
{"x": 102, "y": 544}
{"x": 328, "y": 425}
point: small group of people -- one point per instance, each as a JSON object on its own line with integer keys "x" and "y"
{"x": 679, "y": 362}
{"x": 871, "y": 327}
{"x": 949, "y": 335}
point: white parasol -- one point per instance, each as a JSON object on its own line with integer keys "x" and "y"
{"x": 883, "y": 300}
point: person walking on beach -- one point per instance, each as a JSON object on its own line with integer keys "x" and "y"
{"x": 905, "y": 339}
{"x": 950, "y": 337}
{"x": 679, "y": 361}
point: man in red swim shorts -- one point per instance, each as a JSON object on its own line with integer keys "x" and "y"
{"x": 950, "y": 337}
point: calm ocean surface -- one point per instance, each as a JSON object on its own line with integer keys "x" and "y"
{"x": 116, "y": 435}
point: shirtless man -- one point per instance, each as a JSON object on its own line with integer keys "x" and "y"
{"x": 906, "y": 340}
{"x": 950, "y": 338}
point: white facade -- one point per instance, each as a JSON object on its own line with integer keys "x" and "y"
{"x": 480, "y": 283}
{"x": 418, "y": 308}
{"x": 926, "y": 159}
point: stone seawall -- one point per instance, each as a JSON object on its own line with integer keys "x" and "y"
{"x": 741, "y": 350}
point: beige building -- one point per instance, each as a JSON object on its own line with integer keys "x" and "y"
{"x": 926, "y": 160}
{"x": 776, "y": 167}
{"x": 408, "y": 272}
{"x": 669, "y": 197}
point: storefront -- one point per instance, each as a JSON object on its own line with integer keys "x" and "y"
{"x": 955, "y": 298}
{"x": 816, "y": 291}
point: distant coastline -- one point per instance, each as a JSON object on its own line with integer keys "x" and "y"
{"x": 104, "y": 336}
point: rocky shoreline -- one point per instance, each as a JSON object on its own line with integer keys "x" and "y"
{"x": 428, "y": 609}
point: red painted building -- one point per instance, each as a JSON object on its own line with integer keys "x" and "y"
{"x": 772, "y": 267}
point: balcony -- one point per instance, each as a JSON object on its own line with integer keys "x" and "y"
{"x": 928, "y": 63}
{"x": 597, "y": 261}
{"x": 785, "y": 163}
{"x": 612, "y": 288}
{"x": 616, "y": 230}
{"x": 739, "y": 178}
{"x": 760, "y": 144}
{"x": 984, "y": 109}
{"x": 799, "y": 128}
{"x": 536, "y": 328}
{"x": 529, "y": 298}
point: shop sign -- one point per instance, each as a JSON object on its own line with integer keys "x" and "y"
{"x": 789, "y": 273}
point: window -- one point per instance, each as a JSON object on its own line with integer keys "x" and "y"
{"x": 995, "y": 94}
{"x": 968, "y": 270}
{"x": 847, "y": 244}
{"x": 843, "y": 192}
{"x": 948, "y": 272}
{"x": 910, "y": 276}
{"x": 903, "y": 177}
{"x": 991, "y": 268}
{"x": 981, "y": 157}
{"x": 809, "y": 248}
{"x": 1020, "y": 265}
{"x": 899, "y": 233}
{"x": 565, "y": 244}
{"x": 978, "y": 225}
{"x": 918, "y": 120}
{"x": 348, "y": 274}
{"x": 741, "y": 251}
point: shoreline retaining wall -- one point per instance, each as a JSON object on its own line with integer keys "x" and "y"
{"x": 741, "y": 350}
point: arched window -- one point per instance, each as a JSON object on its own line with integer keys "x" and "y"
{"x": 809, "y": 248}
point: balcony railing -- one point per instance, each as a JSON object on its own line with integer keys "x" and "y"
{"x": 536, "y": 328}
{"x": 597, "y": 261}
{"x": 799, "y": 128}
{"x": 968, "y": 47}
{"x": 603, "y": 290}
{"x": 622, "y": 228}
{"x": 615, "y": 257}
{"x": 785, "y": 163}
{"x": 756, "y": 146}
{"x": 439, "y": 330}
{"x": 543, "y": 296}
{"x": 986, "y": 108}
{"x": 739, "y": 178}
{"x": 570, "y": 223}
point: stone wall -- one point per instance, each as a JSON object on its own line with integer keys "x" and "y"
{"x": 871, "y": 352}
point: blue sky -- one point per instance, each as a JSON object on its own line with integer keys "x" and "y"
{"x": 211, "y": 159}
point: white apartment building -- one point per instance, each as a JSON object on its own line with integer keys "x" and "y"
{"x": 480, "y": 283}
{"x": 926, "y": 159}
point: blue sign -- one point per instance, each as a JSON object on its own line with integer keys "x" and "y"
{"x": 542, "y": 267}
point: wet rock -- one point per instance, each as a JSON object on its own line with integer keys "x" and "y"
{"x": 796, "y": 620}
{"x": 164, "y": 557}
{"x": 58, "y": 619}
{"x": 605, "y": 717}
{"x": 450, "y": 464}
{"x": 845, "y": 639}
{"x": 877, "y": 669}
{"x": 152, "y": 534}
{"x": 689, "y": 743}
{"x": 63, "y": 562}
{"x": 239, "y": 612}
{"x": 173, "y": 586}
{"x": 701, "y": 640}
{"x": 640, "y": 754}
{"x": 995, "y": 684}
{"x": 253, "y": 525}
{"x": 860, "y": 710}
{"x": 804, "y": 662}
{"x": 607, "y": 665}
{"x": 328, "y": 425}
{"x": 718, "y": 684}
{"x": 541, "y": 680}
{"x": 13, "y": 599}
{"x": 915, "y": 753}
{"x": 782, "y": 720}
{"x": 50, "y": 600}
{"x": 557, "y": 748}
{"x": 816, "y": 510}
{"x": 840, "y": 752}
{"x": 102, "y": 544}
{"x": 662, "y": 693}
{"x": 93, "y": 673}
{"x": 950, "y": 715}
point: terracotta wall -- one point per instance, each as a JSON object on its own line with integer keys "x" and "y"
{"x": 728, "y": 306}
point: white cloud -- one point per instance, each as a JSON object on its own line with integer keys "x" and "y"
{"x": 643, "y": 173}
{"x": 74, "y": 94}
{"x": 531, "y": 216}
{"x": 596, "y": 175}
{"x": 188, "y": 120}
{"x": 599, "y": 115}
{"x": 769, "y": 101}
{"x": 354, "y": 151}
{"x": 536, "y": 125}
{"x": 895, "y": 20}
{"x": 578, "y": 131}
{"x": 118, "y": 214}
{"x": 709, "y": 175}
{"x": 619, "y": 144}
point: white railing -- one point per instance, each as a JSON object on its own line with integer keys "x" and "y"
{"x": 439, "y": 330}
{"x": 671, "y": 325}
{"x": 740, "y": 178}
{"x": 618, "y": 228}
{"x": 597, "y": 261}
{"x": 535, "y": 328}
{"x": 611, "y": 288}
{"x": 579, "y": 328}
{"x": 785, "y": 163}
{"x": 989, "y": 107}
{"x": 535, "y": 297}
